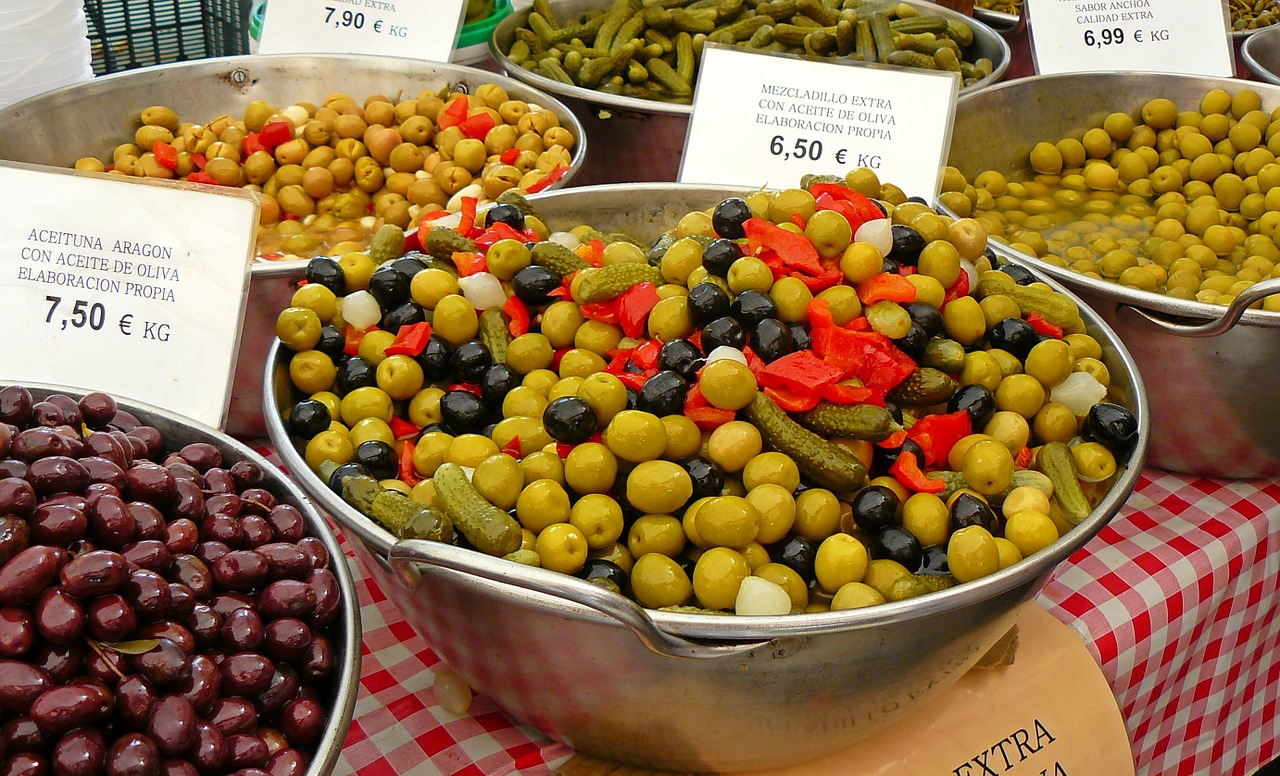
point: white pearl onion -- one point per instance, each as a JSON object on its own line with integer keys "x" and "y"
{"x": 483, "y": 290}
{"x": 452, "y": 691}
{"x": 878, "y": 233}
{"x": 361, "y": 310}
{"x": 758, "y": 595}
{"x": 724, "y": 351}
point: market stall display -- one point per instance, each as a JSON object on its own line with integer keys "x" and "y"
{"x": 170, "y": 596}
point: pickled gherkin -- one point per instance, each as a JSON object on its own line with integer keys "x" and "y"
{"x": 609, "y": 282}
{"x": 488, "y": 528}
{"x": 857, "y": 421}
{"x": 826, "y": 463}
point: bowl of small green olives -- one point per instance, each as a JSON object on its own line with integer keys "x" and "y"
{"x": 1150, "y": 196}
{"x": 629, "y": 74}
{"x": 627, "y": 455}
{"x": 362, "y": 145}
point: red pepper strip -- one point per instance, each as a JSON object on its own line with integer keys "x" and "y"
{"x": 591, "y": 252}
{"x": 776, "y": 266}
{"x": 1023, "y": 458}
{"x": 696, "y": 339}
{"x": 634, "y": 306}
{"x": 509, "y": 156}
{"x": 519, "y": 315}
{"x": 869, "y": 356}
{"x": 859, "y": 324}
{"x": 795, "y": 250}
{"x": 618, "y": 361}
{"x": 605, "y": 312}
{"x": 498, "y": 231}
{"x": 513, "y": 448}
{"x": 1038, "y": 323}
{"x": 351, "y": 339}
{"x": 470, "y": 263}
{"x": 408, "y": 474}
{"x": 907, "y": 472}
{"x": 413, "y": 241}
{"x": 894, "y": 440}
{"x": 801, "y": 372}
{"x": 556, "y": 174}
{"x": 477, "y": 126}
{"x": 645, "y": 355}
{"x": 791, "y": 400}
{"x": 843, "y": 207}
{"x": 410, "y": 340}
{"x": 754, "y": 363}
{"x": 199, "y": 160}
{"x": 563, "y": 449}
{"x": 851, "y": 394}
{"x": 820, "y": 283}
{"x": 275, "y": 133}
{"x": 250, "y": 145}
{"x": 958, "y": 289}
{"x": 886, "y": 286}
{"x": 864, "y": 209}
{"x": 200, "y": 176}
{"x": 403, "y": 429}
{"x": 633, "y": 380}
{"x": 468, "y": 387}
{"x": 468, "y": 221}
{"x": 798, "y": 220}
{"x": 937, "y": 434}
{"x": 703, "y": 415}
{"x": 454, "y": 113}
{"x": 166, "y": 155}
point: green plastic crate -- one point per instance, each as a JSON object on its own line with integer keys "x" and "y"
{"x": 127, "y": 34}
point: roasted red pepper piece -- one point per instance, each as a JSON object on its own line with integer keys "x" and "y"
{"x": 408, "y": 474}
{"x": 556, "y": 174}
{"x": 851, "y": 394}
{"x": 1023, "y": 458}
{"x": 887, "y": 286}
{"x": 498, "y": 231}
{"x": 795, "y": 250}
{"x": 468, "y": 221}
{"x": 937, "y": 434}
{"x": 403, "y": 429}
{"x": 519, "y": 315}
{"x": 958, "y": 289}
{"x": 867, "y": 355}
{"x": 819, "y": 283}
{"x": 410, "y": 340}
{"x": 645, "y": 355}
{"x": 513, "y": 448}
{"x": 477, "y": 126}
{"x": 1038, "y": 323}
{"x": 633, "y": 380}
{"x": 166, "y": 155}
{"x": 906, "y": 470}
{"x": 454, "y": 113}
{"x": 703, "y": 415}
{"x": 351, "y": 339}
{"x": 634, "y": 306}
{"x": 754, "y": 363}
{"x": 250, "y": 145}
{"x": 801, "y": 372}
{"x": 792, "y": 400}
{"x": 468, "y": 387}
{"x": 605, "y": 312}
{"x": 200, "y": 176}
{"x": 618, "y": 360}
{"x": 509, "y": 156}
{"x": 413, "y": 241}
{"x": 469, "y": 263}
{"x": 275, "y": 133}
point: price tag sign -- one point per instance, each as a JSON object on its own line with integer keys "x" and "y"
{"x": 767, "y": 120}
{"x": 123, "y": 286}
{"x": 395, "y": 28}
{"x": 1162, "y": 36}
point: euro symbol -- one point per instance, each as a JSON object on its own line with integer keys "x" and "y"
{"x": 126, "y": 321}
{"x": 840, "y": 155}
{"x": 1137, "y": 36}
{"x": 377, "y": 26}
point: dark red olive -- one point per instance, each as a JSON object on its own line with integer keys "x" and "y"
{"x": 60, "y": 618}
{"x": 318, "y": 660}
{"x": 22, "y": 734}
{"x": 17, "y": 497}
{"x": 33, "y": 444}
{"x": 133, "y": 754}
{"x": 106, "y": 665}
{"x": 256, "y": 531}
{"x": 246, "y": 674}
{"x": 258, "y": 501}
{"x": 80, "y": 753}
{"x": 181, "y": 599}
{"x": 234, "y": 715}
{"x": 242, "y": 630}
{"x": 302, "y": 720}
{"x": 165, "y": 666}
{"x": 218, "y": 480}
{"x": 148, "y": 594}
{"x": 226, "y": 603}
{"x": 222, "y": 528}
{"x": 149, "y": 437}
{"x": 175, "y": 767}
{"x": 94, "y": 573}
{"x": 191, "y": 571}
{"x": 109, "y": 447}
{"x": 201, "y": 690}
{"x": 58, "y": 474}
{"x": 190, "y": 502}
{"x": 70, "y": 706}
{"x": 111, "y": 522}
{"x": 64, "y": 662}
{"x": 20, "y": 684}
{"x": 149, "y": 554}
{"x": 182, "y": 536}
{"x": 15, "y": 536}
{"x": 287, "y": 598}
{"x": 314, "y": 548}
{"x": 286, "y": 639}
{"x": 328, "y": 597}
{"x": 240, "y": 570}
{"x": 285, "y": 560}
{"x": 97, "y": 409}
{"x": 58, "y": 525}
{"x": 18, "y": 632}
{"x": 173, "y": 631}
{"x": 202, "y": 455}
{"x": 205, "y": 625}
{"x": 25, "y": 764}
{"x": 283, "y": 688}
{"x": 209, "y": 552}
{"x": 209, "y": 752}
{"x": 134, "y": 698}
{"x": 151, "y": 483}
{"x": 287, "y": 523}
{"x": 287, "y": 762}
{"x": 172, "y": 725}
{"x": 27, "y": 575}
{"x": 223, "y": 504}
{"x": 103, "y": 470}
{"x": 111, "y": 617}
{"x": 247, "y": 474}
{"x": 149, "y": 523}
{"x": 245, "y": 750}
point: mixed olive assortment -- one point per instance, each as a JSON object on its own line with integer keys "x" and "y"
{"x": 160, "y": 612}
{"x": 331, "y": 174}
{"x": 819, "y": 398}
{"x": 1177, "y": 201}
{"x": 651, "y": 50}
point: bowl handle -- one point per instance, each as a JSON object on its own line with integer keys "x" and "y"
{"x": 1215, "y": 326}
{"x": 405, "y": 554}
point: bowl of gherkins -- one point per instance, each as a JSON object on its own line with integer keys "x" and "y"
{"x": 630, "y": 71}
{"x": 648, "y": 484}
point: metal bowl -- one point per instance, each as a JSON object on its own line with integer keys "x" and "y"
{"x": 646, "y": 138}
{"x": 678, "y": 691}
{"x": 1203, "y": 363}
{"x": 1261, "y": 54}
{"x": 92, "y": 118}
{"x": 177, "y": 432}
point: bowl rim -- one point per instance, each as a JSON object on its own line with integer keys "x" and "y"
{"x": 719, "y": 627}
{"x": 1253, "y": 44}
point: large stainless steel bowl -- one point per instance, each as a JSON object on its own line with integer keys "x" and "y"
{"x": 1205, "y": 366}
{"x": 1261, "y": 54}
{"x": 683, "y": 691}
{"x": 645, "y": 138}
{"x": 92, "y": 118}
{"x": 177, "y": 432}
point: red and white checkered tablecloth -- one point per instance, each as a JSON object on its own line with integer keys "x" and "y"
{"x": 1178, "y": 599}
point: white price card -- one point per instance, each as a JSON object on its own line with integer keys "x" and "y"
{"x": 769, "y": 119}
{"x": 416, "y": 29}
{"x": 123, "y": 286}
{"x": 1159, "y": 36}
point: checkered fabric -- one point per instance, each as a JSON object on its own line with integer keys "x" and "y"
{"x": 1178, "y": 598}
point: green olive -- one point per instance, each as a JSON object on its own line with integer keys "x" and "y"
{"x": 656, "y": 533}
{"x": 455, "y": 319}
{"x": 728, "y": 521}
{"x": 717, "y": 576}
{"x": 328, "y": 447}
{"x": 400, "y": 377}
{"x": 560, "y": 322}
{"x": 684, "y": 438}
{"x": 424, "y": 407}
{"x": 1020, "y": 393}
{"x": 561, "y": 547}
{"x": 727, "y": 384}
{"x": 658, "y": 581}
{"x": 542, "y": 465}
{"x": 771, "y": 468}
{"x": 830, "y": 233}
{"x": 590, "y": 468}
{"x": 499, "y": 480}
{"x": 840, "y": 559}
{"x": 529, "y": 352}
{"x": 792, "y": 298}
{"x": 507, "y": 257}
{"x": 988, "y": 467}
{"x": 817, "y": 514}
{"x": 636, "y": 436}
{"x": 470, "y": 450}
{"x": 298, "y": 328}
{"x": 855, "y": 595}
{"x": 523, "y": 401}
{"x": 599, "y": 518}
{"x": 733, "y": 444}
{"x": 1030, "y": 531}
{"x": 542, "y": 503}
{"x": 926, "y": 517}
{"x": 659, "y": 487}
{"x": 670, "y": 319}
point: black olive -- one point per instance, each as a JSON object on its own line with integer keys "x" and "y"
{"x": 470, "y": 360}
{"x": 605, "y": 573}
{"x": 533, "y": 283}
{"x": 884, "y": 211}
{"x": 976, "y": 400}
{"x": 719, "y": 255}
{"x": 570, "y": 420}
{"x": 723, "y": 331}
{"x": 686, "y": 563}
{"x": 378, "y": 457}
{"x": 1014, "y": 335}
{"x": 354, "y": 372}
{"x": 707, "y": 477}
{"x": 506, "y": 214}
{"x": 729, "y": 216}
{"x": 751, "y": 307}
{"x": 707, "y": 302}
{"x": 875, "y": 507}
{"x": 489, "y": 429}
{"x": 1020, "y": 274}
{"x": 890, "y": 266}
{"x": 919, "y": 200}
{"x": 436, "y": 359}
{"x": 907, "y": 244}
{"x": 895, "y": 411}
{"x": 498, "y": 381}
{"x": 913, "y": 342}
{"x": 884, "y": 457}
{"x": 410, "y": 264}
{"x": 631, "y": 401}
{"x": 935, "y": 562}
{"x": 342, "y": 472}
{"x": 462, "y": 412}
{"x": 800, "y": 337}
{"x": 1112, "y": 425}
{"x": 682, "y": 357}
{"x": 308, "y": 418}
{"x": 389, "y": 286}
{"x": 328, "y": 273}
{"x": 927, "y": 317}
{"x": 431, "y": 429}
{"x": 331, "y": 342}
{"x": 969, "y": 510}
{"x": 796, "y": 552}
{"x": 897, "y": 543}
{"x": 771, "y": 340}
{"x": 406, "y": 314}
{"x": 663, "y": 394}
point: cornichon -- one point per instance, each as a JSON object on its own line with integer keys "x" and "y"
{"x": 1028, "y": 478}
{"x": 556, "y": 258}
{"x": 1054, "y": 459}
{"x": 387, "y": 244}
{"x": 911, "y": 59}
{"x": 863, "y": 44}
{"x": 828, "y": 464}
{"x": 605, "y": 283}
{"x": 914, "y": 24}
{"x": 494, "y": 334}
{"x": 527, "y": 557}
{"x": 859, "y": 421}
{"x": 1049, "y": 304}
{"x": 489, "y": 529}
{"x": 883, "y": 37}
{"x": 661, "y": 72}
{"x": 442, "y": 242}
{"x": 923, "y": 387}
{"x": 519, "y": 201}
{"x": 914, "y": 585}
{"x": 398, "y": 513}
{"x": 943, "y": 354}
